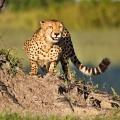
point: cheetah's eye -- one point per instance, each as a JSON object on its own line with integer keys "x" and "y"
{"x": 60, "y": 26}
{"x": 50, "y": 26}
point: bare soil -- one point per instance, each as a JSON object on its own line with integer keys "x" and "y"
{"x": 50, "y": 95}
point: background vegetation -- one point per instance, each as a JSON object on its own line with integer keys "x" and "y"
{"x": 94, "y": 26}
{"x": 75, "y": 15}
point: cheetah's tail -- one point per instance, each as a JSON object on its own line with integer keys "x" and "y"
{"x": 94, "y": 71}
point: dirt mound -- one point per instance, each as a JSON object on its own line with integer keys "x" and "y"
{"x": 49, "y": 95}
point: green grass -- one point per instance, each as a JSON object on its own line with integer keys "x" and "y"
{"x": 110, "y": 115}
{"x": 17, "y": 116}
{"x": 75, "y": 15}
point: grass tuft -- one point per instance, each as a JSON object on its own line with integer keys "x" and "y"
{"x": 9, "y": 62}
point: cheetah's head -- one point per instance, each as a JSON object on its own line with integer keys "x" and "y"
{"x": 52, "y": 30}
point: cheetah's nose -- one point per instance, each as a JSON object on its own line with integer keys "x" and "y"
{"x": 56, "y": 34}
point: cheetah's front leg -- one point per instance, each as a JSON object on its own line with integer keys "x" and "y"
{"x": 34, "y": 68}
{"x": 52, "y": 67}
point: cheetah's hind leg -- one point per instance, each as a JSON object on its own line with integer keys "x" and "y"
{"x": 65, "y": 68}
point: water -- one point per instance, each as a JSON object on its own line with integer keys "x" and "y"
{"x": 110, "y": 78}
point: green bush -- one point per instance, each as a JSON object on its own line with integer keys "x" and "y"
{"x": 11, "y": 61}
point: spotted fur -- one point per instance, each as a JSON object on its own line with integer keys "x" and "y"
{"x": 52, "y": 44}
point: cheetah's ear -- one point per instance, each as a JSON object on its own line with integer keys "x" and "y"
{"x": 41, "y": 23}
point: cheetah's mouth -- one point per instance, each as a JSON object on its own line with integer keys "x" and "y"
{"x": 55, "y": 38}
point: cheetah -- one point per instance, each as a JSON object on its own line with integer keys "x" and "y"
{"x": 52, "y": 44}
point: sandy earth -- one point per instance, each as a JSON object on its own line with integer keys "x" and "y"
{"x": 50, "y": 95}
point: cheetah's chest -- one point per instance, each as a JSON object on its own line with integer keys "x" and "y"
{"x": 46, "y": 58}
